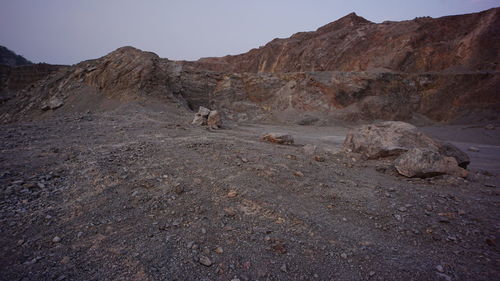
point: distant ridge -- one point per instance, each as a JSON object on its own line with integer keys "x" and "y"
{"x": 10, "y": 58}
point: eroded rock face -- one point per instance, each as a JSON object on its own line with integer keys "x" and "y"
{"x": 278, "y": 138}
{"x": 390, "y": 138}
{"x": 422, "y": 162}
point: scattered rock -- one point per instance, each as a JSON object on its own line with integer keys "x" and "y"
{"x": 232, "y": 194}
{"x": 219, "y": 250}
{"x": 53, "y": 104}
{"x": 278, "y": 138}
{"x": 284, "y": 268}
{"x": 440, "y": 268}
{"x": 424, "y": 163}
{"x": 230, "y": 212}
{"x": 205, "y": 261}
{"x": 371, "y": 273}
{"x": 307, "y": 120}
{"x": 490, "y": 127}
{"x": 200, "y": 118}
{"x": 298, "y": 174}
{"x": 310, "y": 149}
{"x": 343, "y": 255}
{"x": 56, "y": 239}
{"x": 390, "y": 138}
{"x": 214, "y": 120}
{"x": 473, "y": 149}
{"x": 318, "y": 158}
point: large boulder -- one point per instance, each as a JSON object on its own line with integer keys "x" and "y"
{"x": 448, "y": 149}
{"x": 422, "y": 163}
{"x": 390, "y": 138}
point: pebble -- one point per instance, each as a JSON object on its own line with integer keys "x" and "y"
{"x": 230, "y": 212}
{"x": 473, "y": 149}
{"x": 232, "y": 194}
{"x": 402, "y": 209}
{"x": 203, "y": 230}
{"x": 219, "y": 250}
{"x": 298, "y": 174}
{"x": 56, "y": 239}
{"x": 343, "y": 255}
{"x": 440, "y": 268}
{"x": 284, "y": 268}
{"x": 371, "y": 273}
{"x": 205, "y": 261}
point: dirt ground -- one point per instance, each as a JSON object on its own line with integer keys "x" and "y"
{"x": 136, "y": 194}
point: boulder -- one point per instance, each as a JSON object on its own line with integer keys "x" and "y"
{"x": 390, "y": 138}
{"x": 422, "y": 163}
{"x": 201, "y": 117}
{"x": 214, "y": 120}
{"x": 278, "y": 138}
{"x": 448, "y": 149}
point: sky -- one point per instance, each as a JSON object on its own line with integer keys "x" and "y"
{"x": 69, "y": 31}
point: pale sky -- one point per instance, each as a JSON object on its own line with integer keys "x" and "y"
{"x": 69, "y": 31}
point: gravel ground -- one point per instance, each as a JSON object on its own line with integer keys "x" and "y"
{"x": 139, "y": 195}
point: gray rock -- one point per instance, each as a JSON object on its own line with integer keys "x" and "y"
{"x": 448, "y": 149}
{"x": 52, "y": 104}
{"x": 205, "y": 261}
{"x": 423, "y": 163}
{"x": 390, "y": 138}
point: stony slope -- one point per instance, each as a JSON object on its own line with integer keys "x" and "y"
{"x": 9, "y": 58}
{"x": 352, "y": 43}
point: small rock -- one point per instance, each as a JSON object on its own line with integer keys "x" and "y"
{"x": 402, "y": 209}
{"x": 178, "y": 189}
{"x": 473, "y": 149}
{"x": 371, "y": 273}
{"x": 490, "y": 127}
{"x": 440, "y": 268}
{"x": 205, "y": 261}
{"x": 203, "y": 230}
{"x": 298, "y": 174}
{"x": 284, "y": 268}
{"x": 278, "y": 138}
{"x": 310, "y": 149}
{"x": 214, "y": 120}
{"x": 56, "y": 239}
{"x": 319, "y": 158}
{"x": 230, "y": 212}
{"x": 343, "y": 255}
{"x": 219, "y": 250}
{"x": 232, "y": 194}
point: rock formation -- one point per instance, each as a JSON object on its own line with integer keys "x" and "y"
{"x": 352, "y": 69}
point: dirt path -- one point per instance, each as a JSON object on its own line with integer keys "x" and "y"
{"x": 143, "y": 196}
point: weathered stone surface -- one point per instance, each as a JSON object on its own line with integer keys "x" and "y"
{"x": 279, "y": 138}
{"x": 421, "y": 162}
{"x": 214, "y": 120}
{"x": 390, "y": 138}
{"x": 450, "y": 150}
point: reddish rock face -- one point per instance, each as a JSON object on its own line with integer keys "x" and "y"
{"x": 465, "y": 43}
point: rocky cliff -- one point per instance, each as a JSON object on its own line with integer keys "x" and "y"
{"x": 453, "y": 43}
{"x": 352, "y": 69}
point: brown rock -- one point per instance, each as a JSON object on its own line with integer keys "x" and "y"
{"x": 418, "y": 162}
{"x": 278, "y": 138}
{"x": 232, "y": 194}
{"x": 214, "y": 120}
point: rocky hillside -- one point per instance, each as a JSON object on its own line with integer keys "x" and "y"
{"x": 352, "y": 43}
{"x": 353, "y": 70}
{"x": 9, "y": 58}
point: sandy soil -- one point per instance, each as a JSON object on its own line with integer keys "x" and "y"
{"x": 141, "y": 195}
